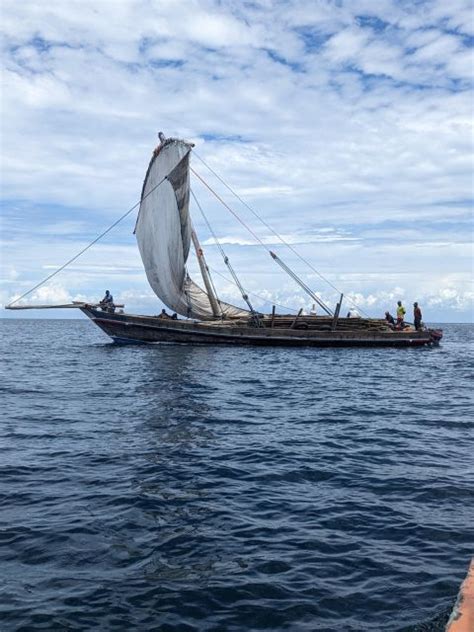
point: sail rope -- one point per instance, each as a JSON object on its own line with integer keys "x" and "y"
{"x": 208, "y": 224}
{"x": 276, "y": 234}
{"x": 293, "y": 275}
{"x": 65, "y": 265}
{"x": 225, "y": 257}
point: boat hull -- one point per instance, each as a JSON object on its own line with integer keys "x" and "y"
{"x": 128, "y": 329}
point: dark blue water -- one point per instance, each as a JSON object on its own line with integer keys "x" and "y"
{"x": 205, "y": 488}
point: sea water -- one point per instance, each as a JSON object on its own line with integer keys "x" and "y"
{"x": 176, "y": 487}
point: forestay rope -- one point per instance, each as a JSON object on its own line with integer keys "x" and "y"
{"x": 87, "y": 247}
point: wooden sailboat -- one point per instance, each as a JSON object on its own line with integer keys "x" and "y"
{"x": 165, "y": 234}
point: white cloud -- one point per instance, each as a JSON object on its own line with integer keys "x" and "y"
{"x": 324, "y": 236}
{"x": 438, "y": 50}
{"x": 321, "y": 115}
{"x": 347, "y": 44}
{"x": 52, "y": 294}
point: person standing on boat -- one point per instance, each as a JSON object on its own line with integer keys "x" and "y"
{"x": 401, "y": 311}
{"x": 417, "y": 316}
{"x": 107, "y": 303}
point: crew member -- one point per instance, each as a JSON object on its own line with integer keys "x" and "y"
{"x": 417, "y": 316}
{"x": 164, "y": 314}
{"x": 107, "y": 303}
{"x": 401, "y": 311}
{"x": 389, "y": 318}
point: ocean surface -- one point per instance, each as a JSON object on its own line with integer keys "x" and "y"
{"x": 181, "y": 488}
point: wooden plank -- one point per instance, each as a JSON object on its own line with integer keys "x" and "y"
{"x": 293, "y": 324}
{"x": 336, "y": 314}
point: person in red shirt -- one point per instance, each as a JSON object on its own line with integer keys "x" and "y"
{"x": 417, "y": 316}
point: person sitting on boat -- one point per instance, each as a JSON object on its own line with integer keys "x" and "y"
{"x": 164, "y": 314}
{"x": 401, "y": 311}
{"x": 389, "y": 318}
{"x": 174, "y": 316}
{"x": 107, "y": 303}
{"x": 417, "y": 316}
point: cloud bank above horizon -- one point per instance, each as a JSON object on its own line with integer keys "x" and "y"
{"x": 348, "y": 125}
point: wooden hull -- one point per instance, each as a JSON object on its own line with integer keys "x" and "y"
{"x": 127, "y": 328}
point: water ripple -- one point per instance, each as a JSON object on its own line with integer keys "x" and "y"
{"x": 199, "y": 488}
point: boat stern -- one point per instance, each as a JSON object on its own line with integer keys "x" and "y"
{"x": 435, "y": 335}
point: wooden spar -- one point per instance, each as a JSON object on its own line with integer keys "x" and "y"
{"x": 205, "y": 275}
{"x": 74, "y": 305}
{"x": 293, "y": 324}
{"x": 296, "y": 278}
{"x": 336, "y": 314}
{"x": 273, "y": 316}
{"x": 69, "y": 306}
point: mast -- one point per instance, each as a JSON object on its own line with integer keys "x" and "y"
{"x": 205, "y": 275}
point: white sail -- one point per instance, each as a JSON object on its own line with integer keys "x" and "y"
{"x": 163, "y": 233}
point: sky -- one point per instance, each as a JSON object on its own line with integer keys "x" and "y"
{"x": 347, "y": 125}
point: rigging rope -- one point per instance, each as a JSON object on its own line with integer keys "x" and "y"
{"x": 257, "y": 238}
{"x": 211, "y": 230}
{"x": 87, "y": 247}
{"x": 225, "y": 257}
{"x": 262, "y": 298}
{"x": 283, "y": 241}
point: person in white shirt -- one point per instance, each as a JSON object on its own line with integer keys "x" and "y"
{"x": 353, "y": 313}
